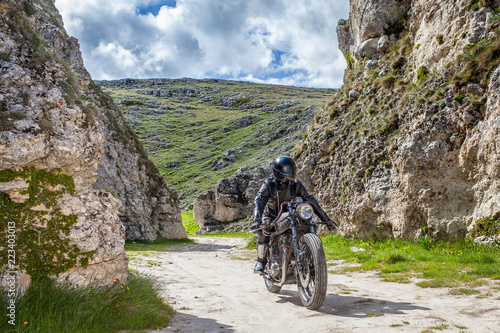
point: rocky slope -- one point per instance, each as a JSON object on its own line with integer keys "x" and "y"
{"x": 199, "y": 131}
{"x": 56, "y": 121}
{"x": 409, "y": 146}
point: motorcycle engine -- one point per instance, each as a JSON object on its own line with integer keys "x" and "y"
{"x": 276, "y": 267}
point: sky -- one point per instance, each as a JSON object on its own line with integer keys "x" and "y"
{"x": 287, "y": 42}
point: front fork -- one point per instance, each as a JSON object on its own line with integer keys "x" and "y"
{"x": 299, "y": 254}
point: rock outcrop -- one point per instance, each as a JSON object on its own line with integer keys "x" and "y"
{"x": 231, "y": 200}
{"x": 53, "y": 117}
{"x": 409, "y": 146}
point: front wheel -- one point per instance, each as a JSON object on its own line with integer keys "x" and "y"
{"x": 312, "y": 275}
{"x": 271, "y": 287}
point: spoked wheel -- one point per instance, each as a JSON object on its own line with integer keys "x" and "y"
{"x": 312, "y": 275}
{"x": 271, "y": 287}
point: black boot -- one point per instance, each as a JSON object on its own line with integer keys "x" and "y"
{"x": 259, "y": 267}
{"x": 261, "y": 258}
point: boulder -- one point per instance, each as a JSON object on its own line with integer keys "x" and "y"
{"x": 231, "y": 200}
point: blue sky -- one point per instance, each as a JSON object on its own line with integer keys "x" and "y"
{"x": 288, "y": 42}
{"x": 154, "y": 7}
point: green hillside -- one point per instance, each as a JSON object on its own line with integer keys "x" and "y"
{"x": 199, "y": 131}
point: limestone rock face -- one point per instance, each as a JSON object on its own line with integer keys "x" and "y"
{"x": 431, "y": 167}
{"x": 231, "y": 200}
{"x": 368, "y": 25}
{"x": 52, "y": 116}
{"x": 149, "y": 208}
{"x": 441, "y": 29}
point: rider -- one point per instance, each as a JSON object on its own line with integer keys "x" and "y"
{"x": 281, "y": 187}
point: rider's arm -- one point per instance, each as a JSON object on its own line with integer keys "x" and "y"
{"x": 260, "y": 202}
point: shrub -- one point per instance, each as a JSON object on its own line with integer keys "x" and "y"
{"x": 439, "y": 39}
{"x": 334, "y": 113}
{"x": 133, "y": 102}
{"x": 459, "y": 98}
{"x": 349, "y": 60}
{"x": 399, "y": 63}
{"x": 241, "y": 101}
{"x": 422, "y": 74}
{"x": 29, "y": 9}
{"x": 475, "y": 4}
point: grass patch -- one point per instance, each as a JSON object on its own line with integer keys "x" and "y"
{"x": 188, "y": 222}
{"x": 440, "y": 264}
{"x": 47, "y": 307}
{"x": 158, "y": 244}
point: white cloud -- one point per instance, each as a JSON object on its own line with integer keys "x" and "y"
{"x": 232, "y": 39}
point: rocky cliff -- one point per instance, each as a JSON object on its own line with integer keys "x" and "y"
{"x": 69, "y": 167}
{"x": 409, "y": 146}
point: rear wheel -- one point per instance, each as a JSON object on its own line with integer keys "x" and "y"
{"x": 312, "y": 275}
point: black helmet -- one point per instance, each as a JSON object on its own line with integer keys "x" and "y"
{"x": 284, "y": 168}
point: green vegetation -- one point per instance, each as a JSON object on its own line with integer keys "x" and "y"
{"x": 486, "y": 226}
{"x": 441, "y": 264}
{"x": 158, "y": 244}
{"x": 188, "y": 222}
{"x": 349, "y": 60}
{"x": 459, "y": 98}
{"x": 29, "y": 9}
{"x": 51, "y": 307}
{"x": 133, "y": 103}
{"x": 4, "y": 56}
{"x": 480, "y": 60}
{"x": 439, "y": 39}
{"x": 187, "y": 125}
{"x": 422, "y": 73}
{"x": 475, "y": 4}
{"x": 38, "y": 224}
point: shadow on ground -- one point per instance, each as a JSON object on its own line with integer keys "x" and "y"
{"x": 352, "y": 306}
{"x": 199, "y": 247}
{"x": 188, "y": 323}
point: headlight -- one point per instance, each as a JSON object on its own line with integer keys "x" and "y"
{"x": 305, "y": 211}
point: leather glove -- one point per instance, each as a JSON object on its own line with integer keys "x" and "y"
{"x": 255, "y": 225}
{"x": 331, "y": 225}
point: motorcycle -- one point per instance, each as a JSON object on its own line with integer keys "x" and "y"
{"x": 295, "y": 253}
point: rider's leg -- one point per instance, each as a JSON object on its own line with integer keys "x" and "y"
{"x": 262, "y": 246}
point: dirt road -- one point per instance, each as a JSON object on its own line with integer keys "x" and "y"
{"x": 212, "y": 288}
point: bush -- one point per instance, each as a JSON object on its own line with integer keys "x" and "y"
{"x": 422, "y": 74}
{"x": 459, "y": 98}
{"x": 133, "y": 102}
{"x": 349, "y": 60}
{"x": 241, "y": 101}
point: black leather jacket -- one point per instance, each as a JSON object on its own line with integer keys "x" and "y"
{"x": 272, "y": 194}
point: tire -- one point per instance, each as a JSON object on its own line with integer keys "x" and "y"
{"x": 271, "y": 287}
{"x": 312, "y": 274}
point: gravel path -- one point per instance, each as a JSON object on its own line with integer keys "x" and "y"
{"x": 211, "y": 285}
